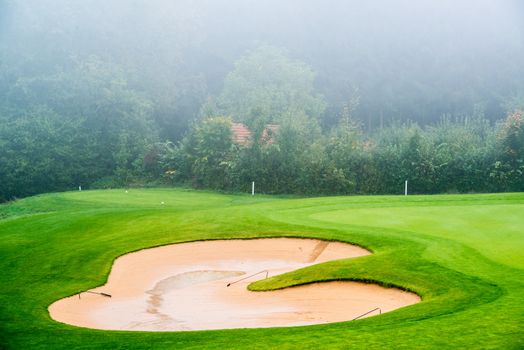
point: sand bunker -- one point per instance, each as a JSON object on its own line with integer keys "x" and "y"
{"x": 185, "y": 287}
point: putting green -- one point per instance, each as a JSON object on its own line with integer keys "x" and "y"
{"x": 459, "y": 223}
{"x": 461, "y": 253}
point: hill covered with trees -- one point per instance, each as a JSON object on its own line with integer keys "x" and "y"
{"x": 365, "y": 96}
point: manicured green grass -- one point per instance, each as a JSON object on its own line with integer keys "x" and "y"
{"x": 462, "y": 253}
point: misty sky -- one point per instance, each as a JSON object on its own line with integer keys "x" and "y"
{"x": 392, "y": 52}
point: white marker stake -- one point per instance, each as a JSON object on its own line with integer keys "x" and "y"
{"x": 253, "y": 188}
{"x": 80, "y": 188}
{"x": 406, "y": 188}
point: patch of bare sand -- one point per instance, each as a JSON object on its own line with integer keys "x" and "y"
{"x": 184, "y": 287}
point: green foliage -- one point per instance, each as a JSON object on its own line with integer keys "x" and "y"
{"x": 511, "y": 137}
{"x": 288, "y": 156}
{"x": 72, "y": 128}
{"x": 85, "y": 122}
{"x": 508, "y": 170}
{"x": 267, "y": 86}
{"x": 203, "y": 155}
{"x": 38, "y": 152}
{"x": 456, "y": 155}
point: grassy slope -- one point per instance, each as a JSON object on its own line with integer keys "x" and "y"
{"x": 461, "y": 253}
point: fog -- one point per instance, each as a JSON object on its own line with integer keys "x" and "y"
{"x": 405, "y": 59}
{"x": 108, "y": 80}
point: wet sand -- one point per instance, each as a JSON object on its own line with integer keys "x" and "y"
{"x": 185, "y": 287}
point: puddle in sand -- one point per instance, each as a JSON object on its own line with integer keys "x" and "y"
{"x": 185, "y": 287}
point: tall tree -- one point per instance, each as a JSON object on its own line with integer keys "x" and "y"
{"x": 269, "y": 86}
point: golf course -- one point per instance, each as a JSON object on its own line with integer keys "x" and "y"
{"x": 461, "y": 254}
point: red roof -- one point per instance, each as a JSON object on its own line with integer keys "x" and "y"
{"x": 242, "y": 135}
{"x": 268, "y": 133}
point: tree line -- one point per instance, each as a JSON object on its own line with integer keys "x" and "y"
{"x": 89, "y": 126}
{"x": 453, "y": 156}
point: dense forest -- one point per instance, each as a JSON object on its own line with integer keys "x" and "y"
{"x": 361, "y": 96}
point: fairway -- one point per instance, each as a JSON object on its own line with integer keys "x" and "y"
{"x": 462, "y": 254}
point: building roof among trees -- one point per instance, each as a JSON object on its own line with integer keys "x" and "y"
{"x": 242, "y": 135}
